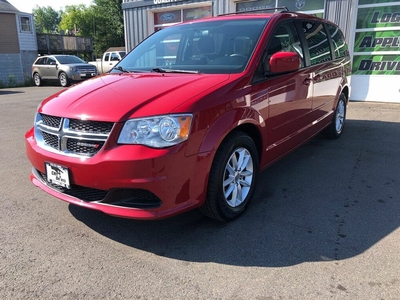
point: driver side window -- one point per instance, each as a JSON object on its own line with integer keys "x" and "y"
{"x": 285, "y": 38}
{"x": 51, "y": 61}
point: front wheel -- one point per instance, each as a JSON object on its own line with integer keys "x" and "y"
{"x": 232, "y": 178}
{"x": 63, "y": 78}
{"x": 335, "y": 129}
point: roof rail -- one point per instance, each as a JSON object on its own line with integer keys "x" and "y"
{"x": 275, "y": 9}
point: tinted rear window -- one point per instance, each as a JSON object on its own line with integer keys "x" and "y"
{"x": 339, "y": 44}
{"x": 317, "y": 41}
{"x": 69, "y": 60}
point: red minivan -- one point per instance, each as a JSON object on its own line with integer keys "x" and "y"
{"x": 190, "y": 116}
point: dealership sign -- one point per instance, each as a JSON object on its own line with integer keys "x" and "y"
{"x": 377, "y": 40}
{"x": 142, "y": 3}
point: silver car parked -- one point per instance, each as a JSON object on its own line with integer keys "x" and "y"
{"x": 64, "y": 68}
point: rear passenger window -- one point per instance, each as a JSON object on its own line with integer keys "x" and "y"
{"x": 317, "y": 41}
{"x": 41, "y": 61}
{"x": 339, "y": 44}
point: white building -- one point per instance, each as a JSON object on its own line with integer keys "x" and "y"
{"x": 371, "y": 27}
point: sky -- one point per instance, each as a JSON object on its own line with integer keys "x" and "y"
{"x": 27, "y": 6}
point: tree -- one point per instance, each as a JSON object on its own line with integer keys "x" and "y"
{"x": 46, "y": 19}
{"x": 108, "y": 25}
{"x": 103, "y": 20}
{"x": 77, "y": 20}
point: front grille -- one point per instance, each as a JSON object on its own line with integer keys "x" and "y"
{"x": 90, "y": 126}
{"x": 83, "y": 147}
{"x": 51, "y": 121}
{"x": 77, "y": 191}
{"x": 132, "y": 198}
{"x": 50, "y": 140}
{"x": 86, "y": 69}
{"x": 82, "y": 138}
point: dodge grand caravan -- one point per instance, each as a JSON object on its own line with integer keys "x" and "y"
{"x": 190, "y": 116}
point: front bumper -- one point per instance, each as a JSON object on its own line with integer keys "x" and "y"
{"x": 77, "y": 76}
{"x": 129, "y": 181}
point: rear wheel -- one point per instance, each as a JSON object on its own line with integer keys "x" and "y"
{"x": 37, "y": 79}
{"x": 63, "y": 78}
{"x": 335, "y": 129}
{"x": 232, "y": 178}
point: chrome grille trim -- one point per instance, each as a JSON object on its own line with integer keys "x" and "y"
{"x": 84, "y": 139}
{"x": 51, "y": 121}
{"x": 86, "y": 69}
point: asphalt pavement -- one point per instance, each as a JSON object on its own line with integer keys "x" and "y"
{"x": 324, "y": 224}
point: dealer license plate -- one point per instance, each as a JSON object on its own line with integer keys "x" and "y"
{"x": 57, "y": 175}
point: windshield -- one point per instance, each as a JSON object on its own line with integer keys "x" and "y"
{"x": 206, "y": 47}
{"x": 69, "y": 60}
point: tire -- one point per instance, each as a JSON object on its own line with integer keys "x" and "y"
{"x": 335, "y": 129}
{"x": 37, "y": 79}
{"x": 232, "y": 178}
{"x": 63, "y": 78}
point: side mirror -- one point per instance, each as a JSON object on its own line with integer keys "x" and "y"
{"x": 284, "y": 62}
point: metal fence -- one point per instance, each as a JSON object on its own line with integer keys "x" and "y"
{"x": 64, "y": 44}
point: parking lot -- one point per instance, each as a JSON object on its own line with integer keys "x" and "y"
{"x": 324, "y": 224}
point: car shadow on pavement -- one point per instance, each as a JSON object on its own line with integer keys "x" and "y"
{"x": 8, "y": 92}
{"x": 328, "y": 200}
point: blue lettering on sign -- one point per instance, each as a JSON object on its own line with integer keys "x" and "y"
{"x": 167, "y": 17}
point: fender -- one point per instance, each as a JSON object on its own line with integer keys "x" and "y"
{"x": 222, "y": 126}
{"x": 343, "y": 86}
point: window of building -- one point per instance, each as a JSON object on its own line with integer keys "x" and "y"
{"x": 312, "y": 7}
{"x": 168, "y": 18}
{"x": 25, "y": 24}
{"x": 254, "y": 5}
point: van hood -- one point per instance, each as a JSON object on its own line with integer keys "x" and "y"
{"x": 118, "y": 97}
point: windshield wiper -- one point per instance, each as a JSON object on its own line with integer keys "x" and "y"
{"x": 161, "y": 70}
{"x": 119, "y": 68}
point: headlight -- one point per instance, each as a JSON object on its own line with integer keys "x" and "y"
{"x": 157, "y": 132}
{"x": 73, "y": 69}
